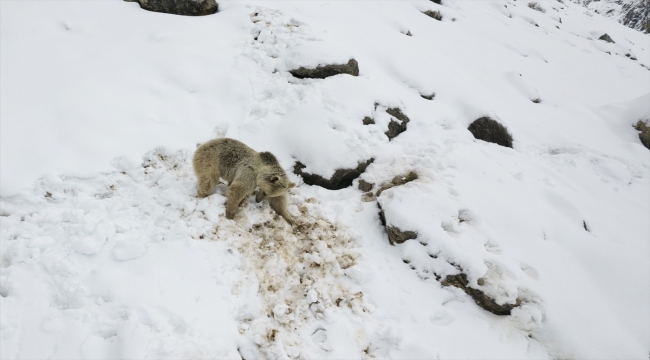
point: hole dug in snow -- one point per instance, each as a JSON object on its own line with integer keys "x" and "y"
{"x": 490, "y": 130}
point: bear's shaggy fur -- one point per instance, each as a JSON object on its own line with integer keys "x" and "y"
{"x": 244, "y": 169}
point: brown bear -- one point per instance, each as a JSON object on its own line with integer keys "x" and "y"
{"x": 244, "y": 169}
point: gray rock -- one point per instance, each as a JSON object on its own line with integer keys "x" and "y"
{"x": 607, "y": 38}
{"x": 342, "y": 178}
{"x": 644, "y": 133}
{"x": 322, "y": 72}
{"x": 428, "y": 97}
{"x": 365, "y": 186}
{"x": 368, "y": 120}
{"x": 460, "y": 281}
{"x": 434, "y": 14}
{"x": 490, "y": 130}
{"x": 396, "y": 127}
{"x": 181, "y": 7}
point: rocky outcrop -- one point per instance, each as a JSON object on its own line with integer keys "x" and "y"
{"x": 324, "y": 71}
{"x": 428, "y": 97}
{"x": 631, "y": 13}
{"x": 490, "y": 130}
{"x": 460, "y": 281}
{"x": 342, "y": 178}
{"x": 644, "y": 133}
{"x": 181, "y": 7}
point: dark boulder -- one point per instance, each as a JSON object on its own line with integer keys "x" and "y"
{"x": 181, "y": 7}
{"x": 322, "y": 72}
{"x": 490, "y": 130}
{"x": 606, "y": 38}
{"x": 342, "y": 178}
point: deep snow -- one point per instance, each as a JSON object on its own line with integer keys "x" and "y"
{"x": 108, "y": 253}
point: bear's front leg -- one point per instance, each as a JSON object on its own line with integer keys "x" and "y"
{"x": 279, "y": 204}
{"x": 235, "y": 194}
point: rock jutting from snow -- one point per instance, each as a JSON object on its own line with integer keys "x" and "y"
{"x": 324, "y": 71}
{"x": 607, "y": 38}
{"x": 434, "y": 14}
{"x": 644, "y": 132}
{"x": 368, "y": 120}
{"x": 181, "y": 7}
{"x": 428, "y": 97}
{"x": 487, "y": 303}
{"x": 395, "y": 234}
{"x": 397, "y": 181}
{"x": 439, "y": 2}
{"x": 395, "y": 128}
{"x": 490, "y": 130}
{"x": 365, "y": 186}
{"x": 342, "y": 178}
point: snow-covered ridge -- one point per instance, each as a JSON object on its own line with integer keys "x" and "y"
{"x": 632, "y": 13}
{"x": 107, "y": 252}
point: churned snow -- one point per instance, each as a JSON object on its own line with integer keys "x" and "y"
{"x": 106, "y": 251}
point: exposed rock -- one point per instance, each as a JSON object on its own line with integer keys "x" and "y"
{"x": 439, "y": 2}
{"x": 428, "y": 97}
{"x": 460, "y": 281}
{"x": 181, "y": 7}
{"x": 395, "y": 234}
{"x": 365, "y": 186}
{"x": 342, "y": 178}
{"x": 408, "y": 33}
{"x": 490, "y": 130}
{"x": 397, "y": 181}
{"x": 536, "y": 6}
{"x": 322, "y": 72}
{"x": 395, "y": 128}
{"x": 644, "y": 133}
{"x": 368, "y": 120}
{"x": 434, "y": 14}
{"x": 607, "y": 38}
{"x": 537, "y": 101}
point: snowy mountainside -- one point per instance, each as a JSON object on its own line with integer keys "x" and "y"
{"x": 106, "y": 251}
{"x": 632, "y": 13}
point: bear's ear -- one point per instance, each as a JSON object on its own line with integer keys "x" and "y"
{"x": 274, "y": 179}
{"x": 291, "y": 185}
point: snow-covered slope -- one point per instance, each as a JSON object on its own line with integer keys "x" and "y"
{"x": 632, "y": 13}
{"x": 106, "y": 252}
